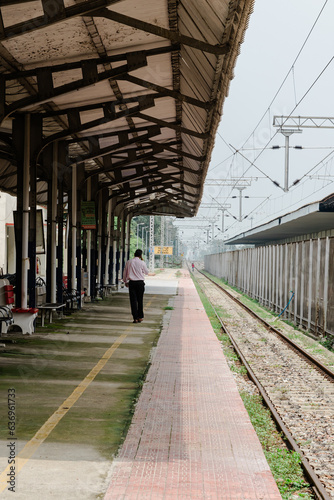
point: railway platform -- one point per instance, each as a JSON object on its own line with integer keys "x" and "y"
{"x": 190, "y": 436}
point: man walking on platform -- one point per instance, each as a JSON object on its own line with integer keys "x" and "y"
{"x": 133, "y": 277}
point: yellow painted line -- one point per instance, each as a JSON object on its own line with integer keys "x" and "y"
{"x": 31, "y": 447}
{"x": 40, "y": 436}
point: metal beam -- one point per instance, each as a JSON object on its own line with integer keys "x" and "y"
{"x": 109, "y": 117}
{"x": 174, "y": 36}
{"x": 130, "y": 57}
{"x": 47, "y": 91}
{"x": 99, "y": 105}
{"x": 166, "y": 92}
{"x": 146, "y": 156}
{"x": 134, "y": 177}
{"x": 303, "y": 121}
{"x": 51, "y": 15}
{"x": 177, "y": 151}
{"x": 96, "y": 137}
{"x": 173, "y": 126}
{"x": 99, "y": 152}
{"x": 162, "y": 201}
{"x": 149, "y": 189}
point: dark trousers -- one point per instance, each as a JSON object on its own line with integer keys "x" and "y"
{"x": 136, "y": 292}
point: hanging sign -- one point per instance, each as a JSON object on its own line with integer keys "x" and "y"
{"x": 88, "y": 215}
{"x": 163, "y": 250}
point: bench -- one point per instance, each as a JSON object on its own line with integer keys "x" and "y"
{"x": 49, "y": 308}
{"x": 6, "y": 319}
{"x": 25, "y": 318}
{"x": 107, "y": 289}
{"x": 72, "y": 297}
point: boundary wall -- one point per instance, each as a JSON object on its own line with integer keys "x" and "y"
{"x": 273, "y": 274}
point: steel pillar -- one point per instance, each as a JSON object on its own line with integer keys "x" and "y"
{"x": 27, "y": 137}
{"x": 117, "y": 257}
{"x": 35, "y": 141}
{"x": 99, "y": 240}
{"x": 74, "y": 228}
{"x": 60, "y": 220}
{"x": 107, "y": 259}
{"x": 89, "y": 242}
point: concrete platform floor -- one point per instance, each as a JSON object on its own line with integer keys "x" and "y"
{"x": 75, "y": 383}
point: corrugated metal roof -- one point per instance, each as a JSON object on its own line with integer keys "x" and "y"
{"x": 134, "y": 89}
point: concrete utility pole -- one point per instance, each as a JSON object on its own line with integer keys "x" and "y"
{"x": 162, "y": 237}
{"x": 287, "y": 133}
{"x": 151, "y": 244}
{"x": 223, "y": 207}
{"x": 295, "y": 123}
{"x": 138, "y": 226}
{"x": 223, "y": 210}
{"x": 240, "y": 188}
{"x": 142, "y": 238}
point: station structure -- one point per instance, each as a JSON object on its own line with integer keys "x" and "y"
{"x": 287, "y": 264}
{"x": 108, "y": 110}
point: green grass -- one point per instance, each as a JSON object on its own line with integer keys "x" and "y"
{"x": 284, "y": 464}
{"x": 328, "y": 343}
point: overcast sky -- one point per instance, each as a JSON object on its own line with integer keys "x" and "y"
{"x": 276, "y": 34}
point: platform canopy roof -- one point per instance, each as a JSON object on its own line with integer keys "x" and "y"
{"x": 307, "y": 220}
{"x": 132, "y": 89}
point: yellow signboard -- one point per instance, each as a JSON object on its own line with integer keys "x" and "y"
{"x": 163, "y": 250}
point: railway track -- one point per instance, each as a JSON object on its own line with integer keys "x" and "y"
{"x": 296, "y": 386}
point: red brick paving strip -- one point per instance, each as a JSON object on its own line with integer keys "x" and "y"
{"x": 191, "y": 437}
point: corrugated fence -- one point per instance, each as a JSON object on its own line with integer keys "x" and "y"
{"x": 301, "y": 272}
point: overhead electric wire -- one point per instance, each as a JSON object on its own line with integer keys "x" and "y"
{"x": 290, "y": 147}
{"x": 288, "y": 73}
{"x": 252, "y": 163}
{"x": 273, "y": 99}
{"x": 310, "y": 170}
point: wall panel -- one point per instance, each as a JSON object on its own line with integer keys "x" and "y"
{"x": 271, "y": 274}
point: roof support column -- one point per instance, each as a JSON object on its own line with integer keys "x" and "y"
{"x": 74, "y": 227}
{"x": 117, "y": 250}
{"x": 107, "y": 259}
{"x": 93, "y": 247}
{"x": 54, "y": 200}
{"x": 25, "y": 214}
{"x": 80, "y": 177}
{"x": 35, "y": 142}
{"x": 21, "y": 141}
{"x": 89, "y": 241}
{"x": 114, "y": 251}
{"x": 47, "y": 163}
{"x": 60, "y": 219}
{"x": 99, "y": 240}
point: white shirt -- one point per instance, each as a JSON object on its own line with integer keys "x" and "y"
{"x": 135, "y": 269}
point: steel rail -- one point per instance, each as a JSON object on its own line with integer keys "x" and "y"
{"x": 329, "y": 374}
{"x": 313, "y": 479}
